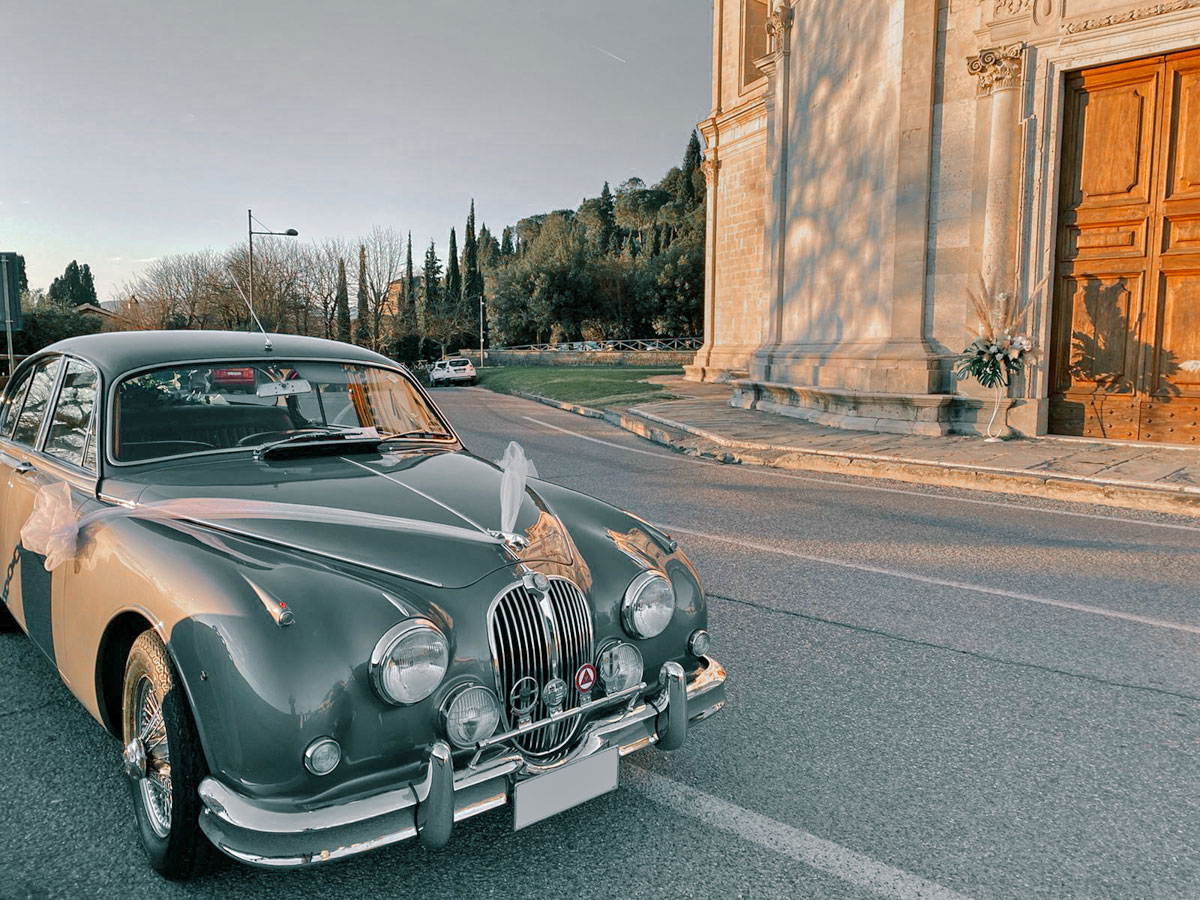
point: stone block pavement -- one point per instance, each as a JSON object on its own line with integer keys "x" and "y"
{"x": 1163, "y": 478}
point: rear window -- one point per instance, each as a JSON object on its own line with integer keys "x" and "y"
{"x": 460, "y": 363}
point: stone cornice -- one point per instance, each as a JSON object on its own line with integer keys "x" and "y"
{"x": 741, "y": 115}
{"x": 1132, "y": 15}
{"x": 997, "y": 68}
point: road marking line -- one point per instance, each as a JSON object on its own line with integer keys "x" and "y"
{"x": 767, "y": 470}
{"x": 817, "y": 853}
{"x": 664, "y": 455}
{"x": 940, "y": 582}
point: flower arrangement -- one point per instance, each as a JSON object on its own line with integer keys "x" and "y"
{"x": 999, "y": 351}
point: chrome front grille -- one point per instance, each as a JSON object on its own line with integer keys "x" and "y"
{"x": 541, "y": 638}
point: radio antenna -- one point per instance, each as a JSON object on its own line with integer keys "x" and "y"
{"x": 253, "y": 315}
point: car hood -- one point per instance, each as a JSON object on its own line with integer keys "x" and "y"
{"x": 455, "y": 492}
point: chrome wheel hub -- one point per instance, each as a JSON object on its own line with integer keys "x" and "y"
{"x": 135, "y": 759}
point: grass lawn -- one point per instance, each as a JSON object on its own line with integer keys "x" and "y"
{"x": 597, "y": 386}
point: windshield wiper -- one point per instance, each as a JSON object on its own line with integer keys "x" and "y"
{"x": 417, "y": 434}
{"x": 353, "y": 435}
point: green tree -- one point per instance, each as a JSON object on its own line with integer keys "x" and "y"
{"x": 506, "y": 242}
{"x": 342, "y": 304}
{"x": 74, "y": 286}
{"x": 454, "y": 292}
{"x": 47, "y": 321}
{"x": 473, "y": 284}
{"x": 362, "y": 321}
{"x": 406, "y": 335}
{"x": 691, "y": 167}
{"x": 22, "y": 279}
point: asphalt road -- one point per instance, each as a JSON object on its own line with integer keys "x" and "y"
{"x": 933, "y": 694}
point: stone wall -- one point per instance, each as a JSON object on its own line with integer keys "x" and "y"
{"x": 735, "y": 315}
{"x": 633, "y": 358}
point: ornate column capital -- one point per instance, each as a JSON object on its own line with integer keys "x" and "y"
{"x": 997, "y": 68}
{"x": 709, "y": 166}
{"x": 779, "y": 23}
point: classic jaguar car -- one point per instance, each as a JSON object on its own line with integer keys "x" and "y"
{"x": 301, "y": 613}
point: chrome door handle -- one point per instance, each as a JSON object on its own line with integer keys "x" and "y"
{"x": 20, "y": 466}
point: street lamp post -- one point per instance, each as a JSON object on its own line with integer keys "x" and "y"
{"x": 481, "y": 331}
{"x": 291, "y": 232}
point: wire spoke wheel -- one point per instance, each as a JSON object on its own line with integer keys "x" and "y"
{"x": 164, "y": 762}
{"x": 151, "y": 732}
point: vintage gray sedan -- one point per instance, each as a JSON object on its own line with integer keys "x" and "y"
{"x": 290, "y": 597}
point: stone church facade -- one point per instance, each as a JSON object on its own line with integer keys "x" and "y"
{"x": 869, "y": 161}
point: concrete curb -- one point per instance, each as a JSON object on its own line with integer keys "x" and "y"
{"x": 559, "y": 404}
{"x": 1181, "y": 500}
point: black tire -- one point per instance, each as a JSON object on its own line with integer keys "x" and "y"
{"x": 170, "y": 832}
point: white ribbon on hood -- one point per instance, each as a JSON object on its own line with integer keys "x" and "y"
{"x": 516, "y": 469}
{"x": 53, "y": 528}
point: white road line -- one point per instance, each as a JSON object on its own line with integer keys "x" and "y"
{"x": 666, "y": 454}
{"x": 818, "y": 853}
{"x": 766, "y": 470}
{"x": 940, "y": 582}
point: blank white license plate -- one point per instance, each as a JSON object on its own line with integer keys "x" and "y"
{"x": 548, "y": 795}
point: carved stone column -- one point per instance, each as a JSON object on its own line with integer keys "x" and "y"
{"x": 709, "y": 166}
{"x": 776, "y": 66}
{"x": 999, "y": 72}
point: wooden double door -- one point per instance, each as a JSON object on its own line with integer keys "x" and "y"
{"x": 1125, "y": 341}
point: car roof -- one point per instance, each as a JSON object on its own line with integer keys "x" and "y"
{"x": 117, "y": 352}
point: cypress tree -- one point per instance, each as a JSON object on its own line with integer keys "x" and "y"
{"x": 506, "y": 241}
{"x": 453, "y": 298}
{"x": 431, "y": 289}
{"x": 691, "y": 162}
{"x": 342, "y": 304}
{"x": 472, "y": 276}
{"x": 362, "y": 321}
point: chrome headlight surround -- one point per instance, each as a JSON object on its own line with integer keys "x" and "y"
{"x": 619, "y": 666}
{"x": 644, "y": 614}
{"x": 465, "y": 694}
{"x": 385, "y": 656}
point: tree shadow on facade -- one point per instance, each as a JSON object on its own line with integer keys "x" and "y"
{"x": 1109, "y": 362}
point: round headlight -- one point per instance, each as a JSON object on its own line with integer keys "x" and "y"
{"x": 648, "y": 606}
{"x": 470, "y": 715}
{"x": 409, "y": 662}
{"x": 620, "y": 667}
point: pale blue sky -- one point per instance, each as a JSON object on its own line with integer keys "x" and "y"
{"x": 137, "y": 128}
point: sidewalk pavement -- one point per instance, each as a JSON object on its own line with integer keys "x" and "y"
{"x": 1161, "y": 478}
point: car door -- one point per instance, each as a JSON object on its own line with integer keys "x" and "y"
{"x": 27, "y": 590}
{"x": 68, "y": 454}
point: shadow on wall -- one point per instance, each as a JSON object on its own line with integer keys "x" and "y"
{"x": 841, "y": 175}
{"x": 1107, "y": 358}
{"x": 1111, "y": 356}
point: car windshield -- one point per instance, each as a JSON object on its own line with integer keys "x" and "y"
{"x": 230, "y": 405}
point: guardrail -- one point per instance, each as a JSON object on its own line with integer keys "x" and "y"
{"x": 638, "y": 345}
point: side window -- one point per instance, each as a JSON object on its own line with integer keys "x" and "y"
{"x": 71, "y": 425}
{"x": 34, "y": 408}
{"x": 16, "y": 396}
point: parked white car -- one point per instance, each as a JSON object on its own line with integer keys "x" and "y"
{"x": 458, "y": 370}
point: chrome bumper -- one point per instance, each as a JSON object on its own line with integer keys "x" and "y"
{"x": 428, "y": 809}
